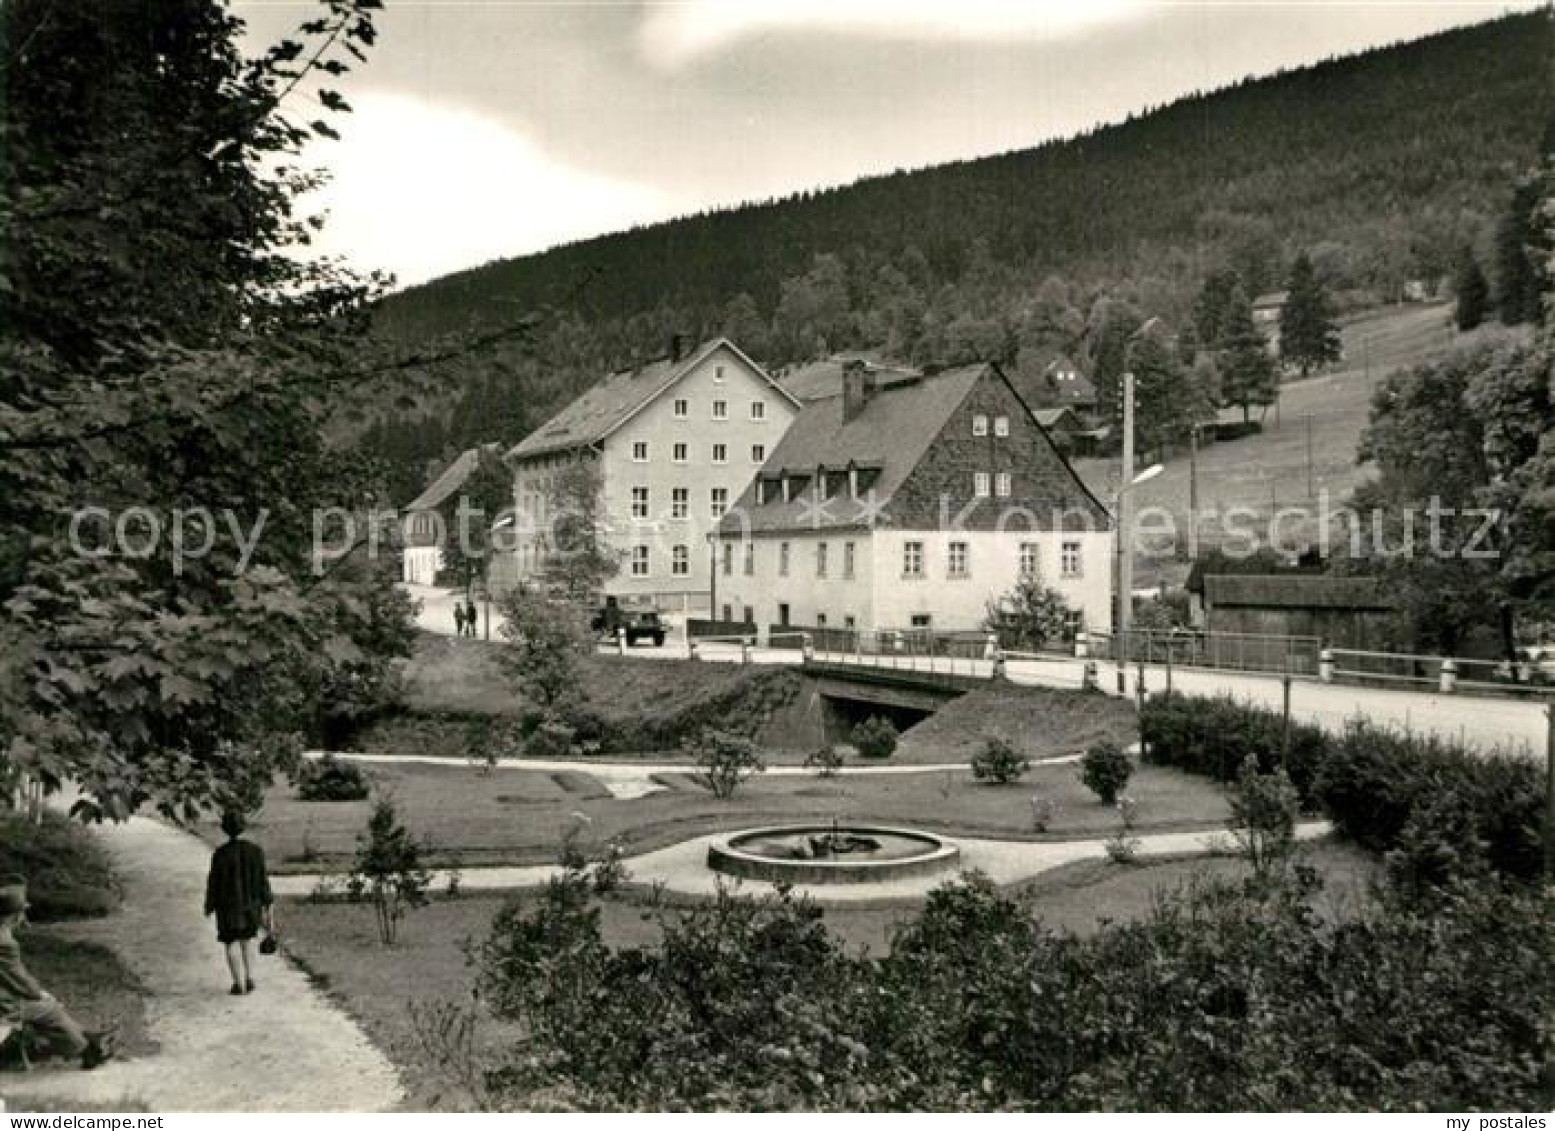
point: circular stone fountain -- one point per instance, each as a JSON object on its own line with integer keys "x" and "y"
{"x": 831, "y": 854}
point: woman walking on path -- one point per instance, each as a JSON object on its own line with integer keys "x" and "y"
{"x": 237, "y": 892}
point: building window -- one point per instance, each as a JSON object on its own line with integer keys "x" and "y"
{"x": 1001, "y": 426}
{"x": 821, "y": 493}
{"x": 849, "y": 622}
{"x": 720, "y": 501}
{"x": 1030, "y": 560}
{"x": 750, "y": 615}
{"x": 847, "y": 559}
{"x": 783, "y": 614}
{"x": 821, "y": 551}
{"x": 758, "y": 410}
{"x": 922, "y": 620}
{"x": 720, "y": 410}
{"x": 750, "y": 559}
{"x": 728, "y": 614}
{"x": 956, "y": 560}
{"x": 720, "y": 453}
{"x": 682, "y": 452}
{"x": 783, "y": 559}
{"x": 680, "y": 561}
{"x": 912, "y": 559}
{"x": 1002, "y": 485}
{"x": 640, "y": 451}
{"x": 979, "y": 425}
{"x": 682, "y": 409}
{"x": 718, "y": 374}
{"x": 639, "y": 561}
{"x": 1069, "y": 564}
{"x": 820, "y": 620}
{"x": 680, "y": 502}
{"x": 980, "y": 484}
{"x": 758, "y": 453}
{"x": 639, "y": 502}
{"x": 728, "y": 560}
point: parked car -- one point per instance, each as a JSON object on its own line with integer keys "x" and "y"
{"x": 639, "y": 624}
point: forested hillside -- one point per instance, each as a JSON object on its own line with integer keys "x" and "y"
{"x": 1383, "y": 167}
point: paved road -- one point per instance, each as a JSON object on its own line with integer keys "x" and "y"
{"x": 1486, "y": 722}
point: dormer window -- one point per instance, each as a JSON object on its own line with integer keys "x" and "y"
{"x": 979, "y": 425}
{"x": 820, "y": 484}
{"x": 1001, "y": 426}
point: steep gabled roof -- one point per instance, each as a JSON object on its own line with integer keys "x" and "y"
{"x": 892, "y": 432}
{"x": 612, "y": 402}
{"x": 450, "y": 479}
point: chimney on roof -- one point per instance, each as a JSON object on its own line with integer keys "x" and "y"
{"x": 678, "y": 343}
{"x": 858, "y": 386}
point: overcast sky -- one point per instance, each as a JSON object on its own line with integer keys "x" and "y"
{"x": 490, "y": 128}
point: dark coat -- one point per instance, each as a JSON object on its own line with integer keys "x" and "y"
{"x": 237, "y": 890}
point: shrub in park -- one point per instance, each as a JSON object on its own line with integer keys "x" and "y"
{"x": 388, "y": 870}
{"x": 1264, "y": 808}
{"x": 724, "y": 761}
{"x": 999, "y": 761}
{"x": 332, "y": 779}
{"x": 1105, "y": 770}
{"x": 875, "y": 737}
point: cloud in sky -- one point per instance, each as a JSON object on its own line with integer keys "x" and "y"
{"x": 675, "y": 33}
{"x": 423, "y": 189}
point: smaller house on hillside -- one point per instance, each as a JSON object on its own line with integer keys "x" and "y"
{"x": 1060, "y": 384}
{"x": 1345, "y": 612}
{"x": 1267, "y": 309}
{"x": 421, "y": 521}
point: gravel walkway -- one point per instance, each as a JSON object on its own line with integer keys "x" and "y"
{"x": 683, "y": 867}
{"x": 282, "y": 1048}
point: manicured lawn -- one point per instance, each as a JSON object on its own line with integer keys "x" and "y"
{"x": 379, "y": 985}
{"x": 519, "y": 816}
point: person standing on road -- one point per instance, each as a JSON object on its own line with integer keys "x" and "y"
{"x": 237, "y": 892}
{"x": 458, "y": 618}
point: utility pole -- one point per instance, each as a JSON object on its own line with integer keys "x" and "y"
{"x": 1549, "y": 795}
{"x": 1309, "y": 456}
{"x": 1122, "y": 533}
{"x": 1193, "y": 491}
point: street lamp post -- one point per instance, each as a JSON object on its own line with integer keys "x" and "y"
{"x": 1123, "y": 533}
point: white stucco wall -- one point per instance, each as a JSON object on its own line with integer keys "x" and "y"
{"x": 879, "y": 597}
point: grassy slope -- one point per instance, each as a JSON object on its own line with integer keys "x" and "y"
{"x": 1042, "y": 722}
{"x": 336, "y": 942}
{"x": 463, "y": 676}
{"x": 1269, "y": 471}
{"x": 513, "y": 816}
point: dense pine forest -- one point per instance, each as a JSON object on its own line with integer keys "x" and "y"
{"x": 1384, "y": 169}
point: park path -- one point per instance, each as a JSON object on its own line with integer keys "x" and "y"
{"x": 281, "y": 1048}
{"x": 683, "y": 867}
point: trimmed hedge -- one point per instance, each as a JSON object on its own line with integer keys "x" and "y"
{"x": 1372, "y": 782}
{"x": 68, "y": 871}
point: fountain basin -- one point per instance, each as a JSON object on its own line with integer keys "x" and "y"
{"x": 798, "y": 854}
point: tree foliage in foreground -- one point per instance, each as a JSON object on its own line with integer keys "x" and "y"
{"x": 1224, "y": 997}
{"x": 165, "y": 346}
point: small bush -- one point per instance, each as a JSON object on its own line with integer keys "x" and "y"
{"x": 1105, "y": 770}
{"x": 332, "y": 779}
{"x": 725, "y": 760}
{"x": 388, "y": 870}
{"x": 824, "y": 760}
{"x": 1264, "y": 808}
{"x": 875, "y": 737}
{"x": 1122, "y": 848}
{"x": 69, "y": 874}
{"x": 999, "y": 762}
{"x": 1043, "y": 812}
{"x": 551, "y": 739}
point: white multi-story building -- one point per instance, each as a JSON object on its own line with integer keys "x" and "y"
{"x": 910, "y": 501}
{"x": 675, "y": 443}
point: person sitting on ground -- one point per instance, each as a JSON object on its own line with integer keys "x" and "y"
{"x": 237, "y": 892}
{"x": 24, "y": 1001}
